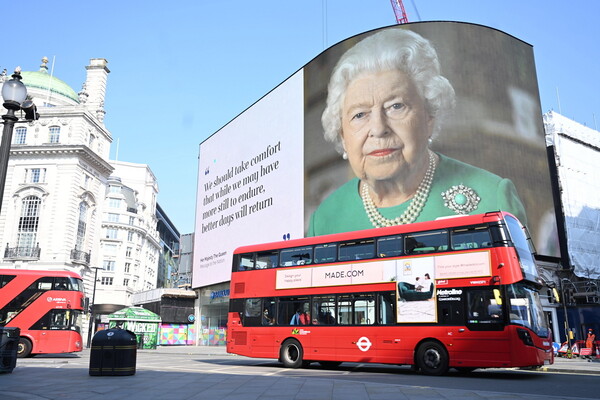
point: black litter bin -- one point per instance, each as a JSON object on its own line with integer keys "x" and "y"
{"x": 113, "y": 352}
{"x": 9, "y": 343}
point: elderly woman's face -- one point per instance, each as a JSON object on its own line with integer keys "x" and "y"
{"x": 385, "y": 126}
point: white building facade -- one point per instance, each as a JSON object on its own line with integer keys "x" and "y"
{"x": 58, "y": 210}
{"x": 129, "y": 243}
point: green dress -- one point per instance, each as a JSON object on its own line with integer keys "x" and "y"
{"x": 343, "y": 210}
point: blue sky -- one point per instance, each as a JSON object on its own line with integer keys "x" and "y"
{"x": 180, "y": 70}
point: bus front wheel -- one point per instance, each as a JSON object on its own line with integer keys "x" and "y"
{"x": 432, "y": 358}
{"x": 24, "y": 348}
{"x": 291, "y": 354}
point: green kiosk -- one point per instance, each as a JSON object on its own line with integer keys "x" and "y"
{"x": 144, "y": 323}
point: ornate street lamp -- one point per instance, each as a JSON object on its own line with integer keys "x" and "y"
{"x": 14, "y": 94}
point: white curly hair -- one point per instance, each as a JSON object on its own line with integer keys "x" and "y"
{"x": 391, "y": 49}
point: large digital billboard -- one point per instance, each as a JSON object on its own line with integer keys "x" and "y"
{"x": 406, "y": 123}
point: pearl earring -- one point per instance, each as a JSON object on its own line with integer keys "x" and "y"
{"x": 345, "y": 155}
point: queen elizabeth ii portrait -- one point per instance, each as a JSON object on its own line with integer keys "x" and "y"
{"x": 386, "y": 105}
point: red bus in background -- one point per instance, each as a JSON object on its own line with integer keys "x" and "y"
{"x": 459, "y": 292}
{"x": 47, "y": 306}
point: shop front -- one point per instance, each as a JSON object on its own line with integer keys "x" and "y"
{"x": 213, "y": 305}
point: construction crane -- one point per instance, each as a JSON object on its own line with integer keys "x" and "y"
{"x": 399, "y": 11}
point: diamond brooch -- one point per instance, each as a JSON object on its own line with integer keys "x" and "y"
{"x": 461, "y": 199}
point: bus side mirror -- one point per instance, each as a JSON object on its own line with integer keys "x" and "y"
{"x": 555, "y": 294}
{"x": 498, "y": 297}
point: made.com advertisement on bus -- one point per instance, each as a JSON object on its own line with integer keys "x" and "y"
{"x": 415, "y": 277}
{"x": 401, "y": 124}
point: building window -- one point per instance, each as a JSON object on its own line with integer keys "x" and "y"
{"x": 81, "y": 226}
{"x": 131, "y": 220}
{"x": 114, "y": 203}
{"x": 106, "y": 280}
{"x": 91, "y": 141}
{"x": 86, "y": 181}
{"x": 114, "y": 189}
{"x": 111, "y": 233}
{"x": 112, "y": 217}
{"x": 128, "y": 252}
{"x": 110, "y": 249}
{"x": 28, "y": 222}
{"x": 125, "y": 282}
{"x": 35, "y": 175}
{"x": 54, "y": 136}
{"x": 20, "y": 135}
{"x": 130, "y": 236}
{"x": 108, "y": 265}
{"x": 127, "y": 267}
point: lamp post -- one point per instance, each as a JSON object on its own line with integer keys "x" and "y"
{"x": 92, "y": 314}
{"x": 14, "y": 94}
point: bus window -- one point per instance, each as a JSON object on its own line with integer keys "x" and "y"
{"x": 323, "y": 310}
{"x": 523, "y": 246}
{"x": 4, "y": 279}
{"x": 358, "y": 250}
{"x": 293, "y": 311}
{"x": 389, "y": 246}
{"x": 42, "y": 284}
{"x": 268, "y": 314}
{"x": 59, "y": 320}
{"x": 471, "y": 238}
{"x": 296, "y": 256}
{"x": 266, "y": 259}
{"x": 364, "y": 310}
{"x": 76, "y": 284}
{"x": 246, "y": 262}
{"x": 483, "y": 312}
{"x": 252, "y": 312}
{"x": 61, "y": 284}
{"x": 325, "y": 253}
{"x": 344, "y": 310}
{"x": 356, "y": 309}
{"x": 426, "y": 242}
{"x": 387, "y": 315}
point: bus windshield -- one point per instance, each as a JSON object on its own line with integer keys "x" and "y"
{"x": 523, "y": 248}
{"x": 526, "y": 308}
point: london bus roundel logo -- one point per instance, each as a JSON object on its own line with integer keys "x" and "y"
{"x": 49, "y": 298}
{"x": 363, "y": 344}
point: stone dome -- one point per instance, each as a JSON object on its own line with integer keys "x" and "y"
{"x": 43, "y": 81}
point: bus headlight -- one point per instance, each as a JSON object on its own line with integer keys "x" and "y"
{"x": 525, "y": 337}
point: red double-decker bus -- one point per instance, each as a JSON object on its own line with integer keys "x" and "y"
{"x": 47, "y": 306}
{"x": 459, "y": 292}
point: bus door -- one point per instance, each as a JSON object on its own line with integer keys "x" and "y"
{"x": 260, "y": 313}
{"x": 391, "y": 344}
{"x": 53, "y": 331}
{"x": 483, "y": 338}
{"x": 356, "y": 338}
{"x": 324, "y": 327}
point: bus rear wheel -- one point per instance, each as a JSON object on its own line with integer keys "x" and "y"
{"x": 291, "y": 354}
{"x": 432, "y": 358}
{"x": 24, "y": 348}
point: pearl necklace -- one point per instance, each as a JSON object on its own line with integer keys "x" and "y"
{"x": 416, "y": 203}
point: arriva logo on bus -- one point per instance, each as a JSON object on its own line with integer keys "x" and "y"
{"x": 50, "y": 299}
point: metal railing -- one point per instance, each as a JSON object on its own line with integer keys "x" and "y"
{"x": 80, "y": 257}
{"x": 18, "y": 253}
